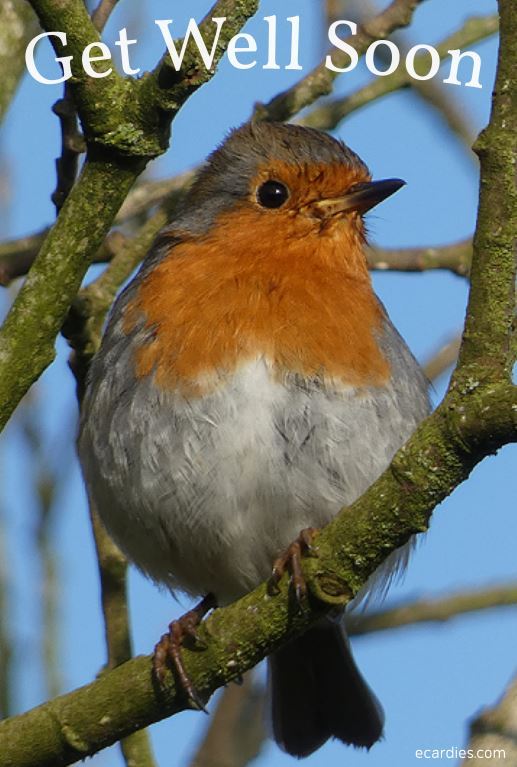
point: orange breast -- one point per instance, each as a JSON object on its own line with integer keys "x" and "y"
{"x": 304, "y": 301}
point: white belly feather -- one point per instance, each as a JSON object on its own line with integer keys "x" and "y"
{"x": 203, "y": 493}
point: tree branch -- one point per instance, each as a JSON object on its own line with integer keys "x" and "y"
{"x": 436, "y": 459}
{"x": 72, "y": 140}
{"x": 320, "y": 80}
{"x": 17, "y": 256}
{"x": 17, "y": 25}
{"x": 431, "y": 610}
{"x": 455, "y": 258}
{"x": 125, "y": 125}
{"x": 102, "y": 13}
{"x": 491, "y": 307}
{"x": 29, "y": 331}
{"x": 492, "y": 730}
{"x": 136, "y": 747}
{"x": 329, "y": 115}
{"x": 445, "y": 358}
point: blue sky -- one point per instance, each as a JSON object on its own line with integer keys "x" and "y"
{"x": 430, "y": 680}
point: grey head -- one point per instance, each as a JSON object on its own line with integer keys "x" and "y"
{"x": 229, "y": 171}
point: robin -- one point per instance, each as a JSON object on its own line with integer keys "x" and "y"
{"x": 249, "y": 385}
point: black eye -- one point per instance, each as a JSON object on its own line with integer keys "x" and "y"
{"x": 272, "y": 194}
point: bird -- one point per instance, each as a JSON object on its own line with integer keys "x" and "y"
{"x": 250, "y": 384}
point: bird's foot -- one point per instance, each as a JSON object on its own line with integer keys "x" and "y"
{"x": 167, "y": 652}
{"x": 290, "y": 561}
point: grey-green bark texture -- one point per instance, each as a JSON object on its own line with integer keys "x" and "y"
{"x": 126, "y": 123}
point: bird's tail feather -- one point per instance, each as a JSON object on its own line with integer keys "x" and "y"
{"x": 318, "y": 693}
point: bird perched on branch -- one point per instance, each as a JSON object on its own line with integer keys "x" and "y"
{"x": 249, "y": 385}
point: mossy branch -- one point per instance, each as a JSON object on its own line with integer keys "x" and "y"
{"x": 125, "y": 125}
{"x": 28, "y": 334}
{"x": 491, "y": 308}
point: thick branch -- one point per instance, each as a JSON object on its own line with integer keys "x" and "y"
{"x": 113, "y": 122}
{"x": 104, "y": 104}
{"x": 320, "y": 80}
{"x": 491, "y": 308}
{"x": 28, "y": 334}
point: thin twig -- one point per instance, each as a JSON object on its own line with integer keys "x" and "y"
{"x": 432, "y": 610}
{"x": 136, "y": 747}
{"x": 72, "y": 146}
{"x": 329, "y": 115}
{"x": 445, "y": 358}
{"x": 320, "y": 80}
{"x": 146, "y": 194}
{"x": 455, "y": 258}
{"x": 6, "y": 640}
{"x": 433, "y": 91}
{"x": 46, "y": 487}
{"x": 102, "y": 13}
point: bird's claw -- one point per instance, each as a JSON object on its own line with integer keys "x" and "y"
{"x": 167, "y": 652}
{"x": 290, "y": 561}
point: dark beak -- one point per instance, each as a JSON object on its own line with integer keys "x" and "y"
{"x": 361, "y": 197}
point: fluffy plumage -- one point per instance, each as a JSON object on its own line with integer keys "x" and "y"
{"x": 250, "y": 384}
